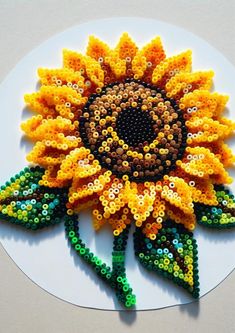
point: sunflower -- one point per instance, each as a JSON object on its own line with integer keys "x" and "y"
{"x": 133, "y": 134}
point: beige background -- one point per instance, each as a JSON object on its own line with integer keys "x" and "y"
{"x": 24, "y": 307}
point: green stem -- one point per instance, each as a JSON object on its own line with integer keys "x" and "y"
{"x": 120, "y": 283}
{"x": 115, "y": 277}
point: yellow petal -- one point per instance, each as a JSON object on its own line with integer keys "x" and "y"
{"x": 73, "y": 60}
{"x": 113, "y": 198}
{"x": 94, "y": 72}
{"x": 139, "y": 65}
{"x": 59, "y": 129}
{"x": 30, "y": 127}
{"x": 202, "y": 103}
{"x": 54, "y": 101}
{"x": 207, "y": 130}
{"x": 86, "y": 187}
{"x": 45, "y": 156}
{"x": 85, "y": 65}
{"x": 222, "y": 151}
{"x": 61, "y": 76}
{"x": 183, "y": 83}
{"x": 126, "y": 48}
{"x": 96, "y": 48}
{"x": 202, "y": 163}
{"x": 117, "y": 65}
{"x": 71, "y": 163}
{"x": 147, "y": 58}
{"x": 97, "y": 216}
{"x": 227, "y": 122}
{"x": 171, "y": 66}
{"x": 178, "y": 193}
{"x": 141, "y": 201}
{"x": 202, "y": 190}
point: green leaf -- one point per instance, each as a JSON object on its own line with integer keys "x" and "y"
{"x": 173, "y": 254}
{"x": 24, "y": 202}
{"x": 220, "y": 216}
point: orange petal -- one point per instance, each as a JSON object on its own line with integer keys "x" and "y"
{"x": 50, "y": 178}
{"x": 171, "y": 66}
{"x": 203, "y": 192}
{"x": 94, "y": 71}
{"x": 96, "y": 48}
{"x": 97, "y": 216}
{"x": 153, "y": 52}
{"x": 154, "y": 223}
{"x": 178, "y": 216}
{"x": 117, "y": 65}
{"x": 83, "y": 204}
{"x": 74, "y": 60}
{"x": 120, "y": 220}
{"x": 126, "y": 48}
{"x": 202, "y": 103}
{"x": 222, "y": 151}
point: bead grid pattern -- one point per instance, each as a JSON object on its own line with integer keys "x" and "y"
{"x": 137, "y": 137}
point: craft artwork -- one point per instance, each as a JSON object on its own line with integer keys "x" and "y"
{"x": 137, "y": 138}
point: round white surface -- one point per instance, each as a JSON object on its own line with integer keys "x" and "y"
{"x": 45, "y": 257}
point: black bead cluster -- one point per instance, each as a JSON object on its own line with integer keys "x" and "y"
{"x": 135, "y": 127}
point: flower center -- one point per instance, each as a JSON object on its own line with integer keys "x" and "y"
{"x": 133, "y": 129}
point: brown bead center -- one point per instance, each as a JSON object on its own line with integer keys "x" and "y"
{"x": 134, "y": 130}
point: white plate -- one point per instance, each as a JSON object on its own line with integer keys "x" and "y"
{"x": 45, "y": 257}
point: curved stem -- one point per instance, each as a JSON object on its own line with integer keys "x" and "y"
{"x": 115, "y": 277}
{"x": 123, "y": 289}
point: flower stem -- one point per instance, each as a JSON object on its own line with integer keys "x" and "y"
{"x": 115, "y": 277}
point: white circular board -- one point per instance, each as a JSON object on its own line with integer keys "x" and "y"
{"x": 45, "y": 257}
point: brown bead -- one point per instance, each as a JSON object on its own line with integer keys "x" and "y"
{"x": 119, "y": 151}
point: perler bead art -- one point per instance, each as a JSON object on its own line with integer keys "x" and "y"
{"x": 138, "y": 138}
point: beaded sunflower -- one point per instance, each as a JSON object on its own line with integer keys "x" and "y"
{"x": 135, "y": 136}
